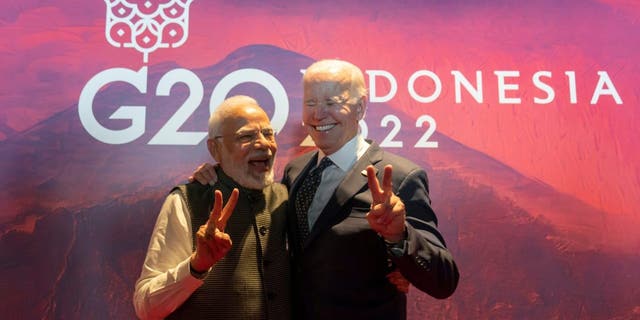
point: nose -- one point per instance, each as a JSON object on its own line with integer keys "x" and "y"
{"x": 320, "y": 111}
{"x": 261, "y": 141}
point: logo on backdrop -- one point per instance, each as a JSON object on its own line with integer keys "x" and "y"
{"x": 147, "y": 25}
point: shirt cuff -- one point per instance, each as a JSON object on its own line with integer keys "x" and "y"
{"x": 188, "y": 279}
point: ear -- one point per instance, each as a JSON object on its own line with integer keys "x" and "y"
{"x": 362, "y": 107}
{"x": 213, "y": 146}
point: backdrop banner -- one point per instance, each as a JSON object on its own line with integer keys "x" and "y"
{"x": 523, "y": 114}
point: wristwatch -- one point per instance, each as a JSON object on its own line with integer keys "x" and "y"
{"x": 196, "y": 274}
{"x": 397, "y": 249}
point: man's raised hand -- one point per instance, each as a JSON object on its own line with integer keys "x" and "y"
{"x": 212, "y": 243}
{"x": 387, "y": 213}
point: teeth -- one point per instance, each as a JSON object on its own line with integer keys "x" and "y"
{"x": 325, "y": 127}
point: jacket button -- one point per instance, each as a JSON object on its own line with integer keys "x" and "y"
{"x": 262, "y": 230}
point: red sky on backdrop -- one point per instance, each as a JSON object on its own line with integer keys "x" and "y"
{"x": 51, "y": 49}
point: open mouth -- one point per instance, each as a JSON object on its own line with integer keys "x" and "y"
{"x": 325, "y": 127}
{"x": 261, "y": 163}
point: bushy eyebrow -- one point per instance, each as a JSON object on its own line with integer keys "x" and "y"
{"x": 245, "y": 131}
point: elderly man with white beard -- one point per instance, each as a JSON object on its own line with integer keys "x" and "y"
{"x": 209, "y": 261}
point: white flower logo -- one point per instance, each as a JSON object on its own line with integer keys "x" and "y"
{"x": 147, "y": 25}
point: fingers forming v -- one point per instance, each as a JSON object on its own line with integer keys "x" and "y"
{"x": 380, "y": 195}
{"x": 219, "y": 215}
{"x": 374, "y": 185}
{"x": 386, "y": 179}
{"x": 228, "y": 209}
{"x": 214, "y": 216}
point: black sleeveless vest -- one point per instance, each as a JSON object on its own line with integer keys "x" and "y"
{"x": 253, "y": 280}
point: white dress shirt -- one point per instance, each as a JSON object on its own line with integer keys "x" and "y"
{"x": 166, "y": 281}
{"x": 343, "y": 160}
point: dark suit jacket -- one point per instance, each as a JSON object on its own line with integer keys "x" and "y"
{"x": 339, "y": 272}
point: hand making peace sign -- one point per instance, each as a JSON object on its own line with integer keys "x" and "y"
{"x": 387, "y": 213}
{"x": 212, "y": 243}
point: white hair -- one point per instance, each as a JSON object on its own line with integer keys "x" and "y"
{"x": 224, "y": 110}
{"x": 356, "y": 82}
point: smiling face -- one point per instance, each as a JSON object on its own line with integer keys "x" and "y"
{"x": 332, "y": 105}
{"x": 245, "y": 145}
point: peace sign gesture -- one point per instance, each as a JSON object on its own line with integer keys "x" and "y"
{"x": 212, "y": 243}
{"x": 387, "y": 213}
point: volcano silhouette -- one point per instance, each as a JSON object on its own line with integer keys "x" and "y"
{"x": 78, "y": 213}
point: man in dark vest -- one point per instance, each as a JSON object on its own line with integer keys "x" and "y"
{"x": 209, "y": 261}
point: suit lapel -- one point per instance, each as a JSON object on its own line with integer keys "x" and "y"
{"x": 335, "y": 210}
{"x": 300, "y": 170}
{"x": 356, "y": 178}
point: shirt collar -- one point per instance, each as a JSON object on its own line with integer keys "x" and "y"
{"x": 347, "y": 156}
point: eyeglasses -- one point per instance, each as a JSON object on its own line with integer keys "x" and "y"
{"x": 243, "y": 137}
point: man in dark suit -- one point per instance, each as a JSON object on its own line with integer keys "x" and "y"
{"x": 354, "y": 231}
{"x": 348, "y": 233}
